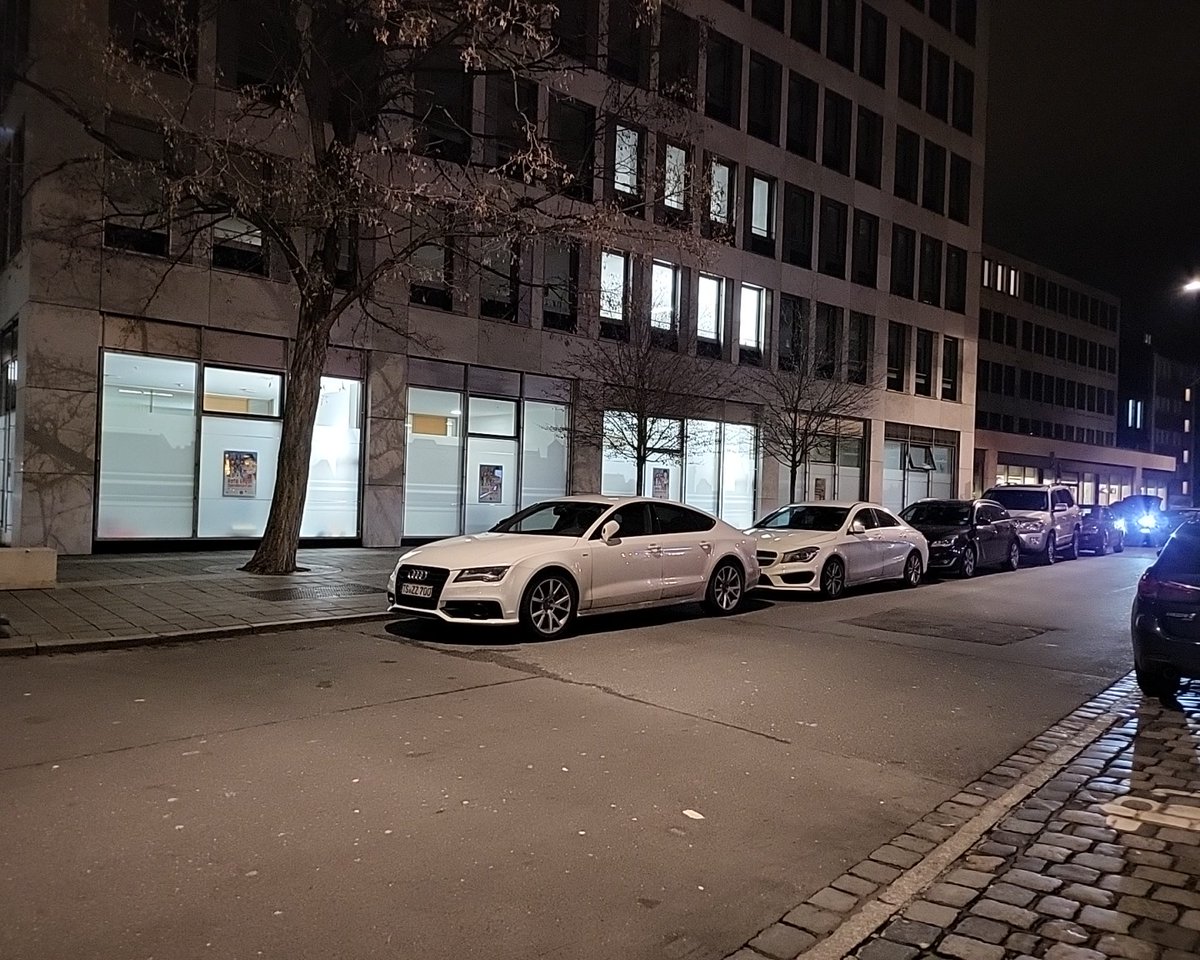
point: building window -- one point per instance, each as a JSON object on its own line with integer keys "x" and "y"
{"x": 797, "y": 226}
{"x": 571, "y": 131}
{"x": 802, "y": 115}
{"x": 560, "y": 297}
{"x": 930, "y": 287}
{"x": 442, "y": 95}
{"x": 769, "y": 12}
{"x": 904, "y": 260}
{"x": 835, "y": 148}
{"x": 498, "y": 283}
{"x": 933, "y": 185}
{"x": 677, "y": 61}
{"x": 614, "y": 294}
{"x": 897, "y": 356}
{"x": 628, "y": 42}
{"x": 872, "y": 55}
{"x": 964, "y": 99}
{"x": 950, "y": 362}
{"x": 752, "y": 321}
{"x": 238, "y": 245}
{"x": 710, "y": 311}
{"x": 865, "y": 260}
{"x": 162, "y": 36}
{"x": 960, "y": 188}
{"x": 675, "y": 178}
{"x": 720, "y": 193}
{"x": 868, "y": 165}
{"x": 806, "y": 22}
{"x": 831, "y": 250}
{"x": 839, "y": 39}
{"x": 908, "y": 164}
{"x": 762, "y": 112}
{"x": 937, "y": 84}
{"x": 956, "y": 279}
{"x": 760, "y": 214}
{"x": 923, "y": 384}
{"x": 858, "y": 352}
{"x": 793, "y": 315}
{"x": 664, "y": 295}
{"x": 574, "y": 28}
{"x": 965, "y": 16}
{"x": 14, "y": 43}
{"x": 627, "y": 161}
{"x": 723, "y": 84}
{"x": 511, "y": 113}
{"x": 827, "y": 342}
{"x": 939, "y": 10}
{"x": 912, "y": 55}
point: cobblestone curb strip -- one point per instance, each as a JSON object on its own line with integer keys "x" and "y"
{"x": 69, "y": 645}
{"x": 1025, "y": 861}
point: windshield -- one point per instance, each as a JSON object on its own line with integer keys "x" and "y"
{"x": 806, "y": 518}
{"x": 1095, "y": 513}
{"x": 1020, "y": 499}
{"x": 937, "y": 514}
{"x": 554, "y": 518}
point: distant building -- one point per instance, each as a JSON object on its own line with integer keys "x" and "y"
{"x": 1159, "y": 416}
{"x": 1047, "y": 403}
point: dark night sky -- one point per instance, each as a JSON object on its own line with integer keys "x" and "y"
{"x": 1093, "y": 150}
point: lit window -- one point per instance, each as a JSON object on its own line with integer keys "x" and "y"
{"x": 1001, "y": 274}
{"x": 1187, "y": 394}
{"x": 750, "y": 321}
{"x": 1187, "y": 426}
{"x": 987, "y": 273}
{"x": 626, "y": 159}
{"x": 614, "y": 283}
{"x": 762, "y": 207}
{"x": 1187, "y": 455}
{"x": 710, "y": 308}
{"x": 720, "y": 182}
{"x": 1012, "y": 283}
{"x": 674, "y": 177}
{"x": 1185, "y": 487}
{"x": 664, "y": 291}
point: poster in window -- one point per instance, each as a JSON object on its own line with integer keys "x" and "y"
{"x": 241, "y": 473}
{"x": 818, "y": 488}
{"x": 661, "y": 483}
{"x": 491, "y": 483}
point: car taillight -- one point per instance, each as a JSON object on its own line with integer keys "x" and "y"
{"x": 1151, "y": 588}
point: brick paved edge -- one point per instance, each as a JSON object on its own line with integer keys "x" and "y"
{"x": 187, "y": 636}
{"x": 835, "y": 920}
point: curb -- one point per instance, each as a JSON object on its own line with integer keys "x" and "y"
{"x": 186, "y": 636}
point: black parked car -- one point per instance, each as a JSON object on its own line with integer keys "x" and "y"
{"x": 1165, "y": 622}
{"x": 965, "y": 535}
{"x": 1102, "y": 530}
{"x": 1144, "y": 520}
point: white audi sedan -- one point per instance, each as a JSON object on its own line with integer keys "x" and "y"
{"x": 577, "y": 556}
{"x": 827, "y": 547}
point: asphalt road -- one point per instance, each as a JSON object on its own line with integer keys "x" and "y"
{"x": 409, "y": 792}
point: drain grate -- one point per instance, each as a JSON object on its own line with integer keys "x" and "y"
{"x": 282, "y": 594}
{"x": 923, "y": 625}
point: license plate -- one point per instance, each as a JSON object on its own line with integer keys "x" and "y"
{"x": 415, "y": 590}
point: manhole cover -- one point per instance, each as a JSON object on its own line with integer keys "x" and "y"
{"x": 923, "y": 625}
{"x": 315, "y": 593}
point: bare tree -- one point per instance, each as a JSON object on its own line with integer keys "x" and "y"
{"x": 341, "y": 135}
{"x": 806, "y": 398}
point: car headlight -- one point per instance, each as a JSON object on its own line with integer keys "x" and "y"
{"x": 1120, "y": 524}
{"x": 803, "y": 555}
{"x": 1148, "y": 522}
{"x": 1029, "y": 526}
{"x": 481, "y": 574}
{"x": 946, "y": 542}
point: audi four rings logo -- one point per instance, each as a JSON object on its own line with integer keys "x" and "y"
{"x": 418, "y": 574}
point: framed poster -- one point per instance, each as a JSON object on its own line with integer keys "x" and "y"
{"x": 240, "y": 473}
{"x": 661, "y": 483}
{"x": 818, "y": 488}
{"x": 491, "y": 483}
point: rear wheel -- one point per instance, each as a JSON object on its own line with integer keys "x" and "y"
{"x": 1014, "y": 556}
{"x": 726, "y": 589}
{"x": 1157, "y": 681}
{"x": 967, "y": 565}
{"x": 913, "y": 570}
{"x": 1119, "y": 546}
{"x": 833, "y": 578}
{"x": 1102, "y": 550}
{"x": 548, "y": 606}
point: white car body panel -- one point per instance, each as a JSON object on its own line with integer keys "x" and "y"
{"x": 878, "y": 553}
{"x": 633, "y": 572}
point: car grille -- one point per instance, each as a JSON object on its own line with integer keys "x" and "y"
{"x": 433, "y": 577}
{"x": 766, "y": 558}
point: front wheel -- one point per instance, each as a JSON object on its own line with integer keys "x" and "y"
{"x": 967, "y": 564}
{"x": 1014, "y": 557}
{"x": 1050, "y": 555}
{"x": 1073, "y": 550}
{"x": 1102, "y": 550}
{"x": 833, "y": 578}
{"x": 913, "y": 570}
{"x": 548, "y": 606}
{"x": 726, "y": 590}
{"x": 1119, "y": 546}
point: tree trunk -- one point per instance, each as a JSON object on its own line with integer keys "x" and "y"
{"x": 640, "y": 488}
{"x": 792, "y": 484}
{"x": 276, "y": 551}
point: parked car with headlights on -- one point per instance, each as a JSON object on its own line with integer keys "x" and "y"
{"x": 826, "y": 547}
{"x": 1101, "y": 531}
{"x": 577, "y": 556}
{"x": 1165, "y": 620}
{"x": 1047, "y": 518}
{"x": 965, "y": 535}
{"x": 1144, "y": 521}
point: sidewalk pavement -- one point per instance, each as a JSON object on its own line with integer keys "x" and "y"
{"x": 123, "y": 600}
{"x": 1084, "y": 845}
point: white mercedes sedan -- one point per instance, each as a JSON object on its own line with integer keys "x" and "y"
{"x": 827, "y": 547}
{"x": 577, "y": 556}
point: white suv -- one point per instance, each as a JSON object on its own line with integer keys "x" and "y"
{"x": 1047, "y": 516}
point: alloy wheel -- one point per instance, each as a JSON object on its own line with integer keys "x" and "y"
{"x": 550, "y": 606}
{"x": 833, "y": 578}
{"x": 727, "y": 588}
{"x": 968, "y": 563}
{"x": 912, "y": 570}
{"x": 1014, "y": 557}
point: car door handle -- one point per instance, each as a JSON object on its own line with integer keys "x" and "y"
{"x": 654, "y": 549}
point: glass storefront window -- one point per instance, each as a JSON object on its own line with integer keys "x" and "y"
{"x": 543, "y": 452}
{"x": 250, "y": 392}
{"x": 702, "y": 473}
{"x": 432, "y": 483}
{"x": 147, "y": 448}
{"x": 238, "y": 457}
{"x": 331, "y": 504}
{"x": 496, "y": 418}
{"x": 738, "y": 474}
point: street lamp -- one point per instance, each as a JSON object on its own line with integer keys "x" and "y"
{"x": 1192, "y": 286}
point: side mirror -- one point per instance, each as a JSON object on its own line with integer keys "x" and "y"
{"x": 982, "y": 522}
{"x": 608, "y": 532}
{"x": 1060, "y": 508}
{"x": 858, "y": 527}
